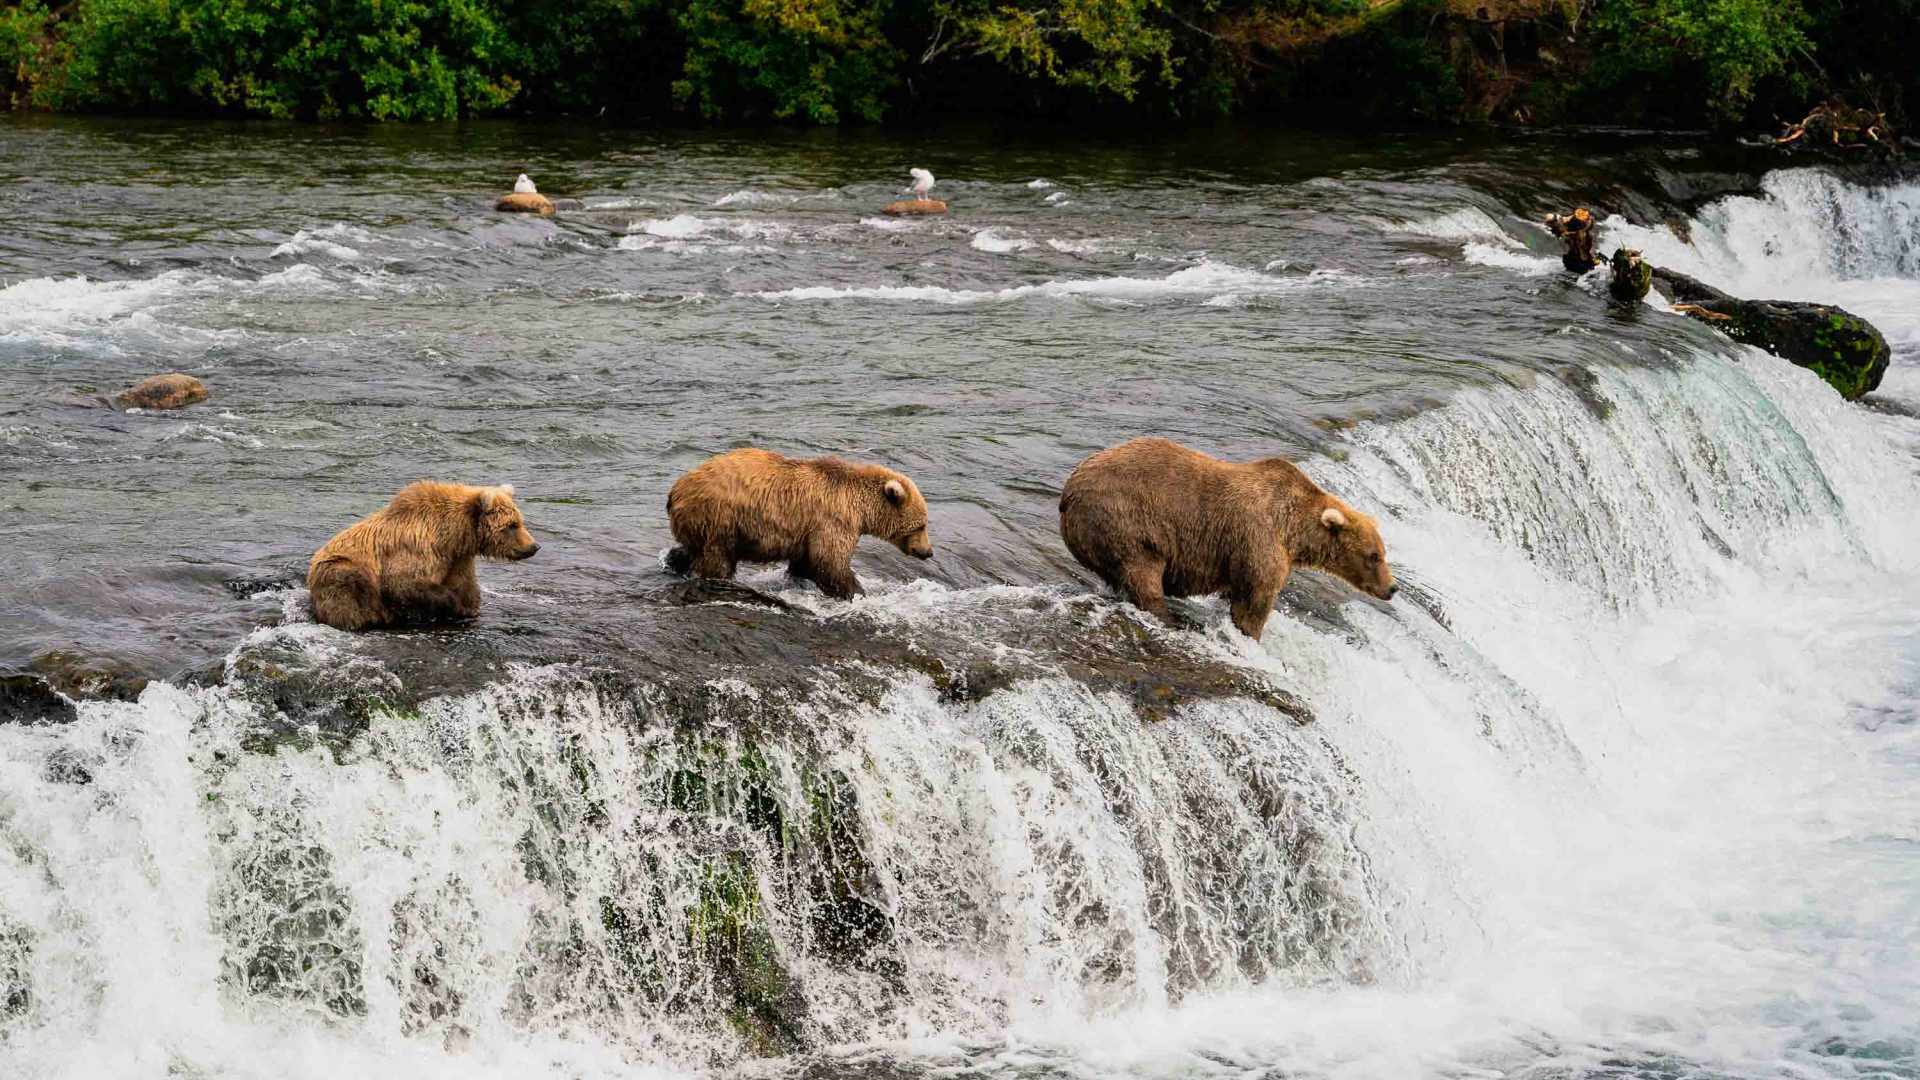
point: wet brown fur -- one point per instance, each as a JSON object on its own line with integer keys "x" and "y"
{"x": 754, "y": 505}
{"x": 1155, "y": 519}
{"x": 412, "y": 561}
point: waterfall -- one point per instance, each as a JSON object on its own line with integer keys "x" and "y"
{"x": 1621, "y": 785}
{"x": 1813, "y": 236}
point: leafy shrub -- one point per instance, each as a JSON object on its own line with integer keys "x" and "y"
{"x": 818, "y": 60}
{"x": 1702, "y": 57}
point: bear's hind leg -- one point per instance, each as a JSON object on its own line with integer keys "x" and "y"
{"x": 345, "y": 597}
{"x": 1143, "y": 583}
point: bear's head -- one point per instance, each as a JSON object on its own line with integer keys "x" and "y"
{"x": 503, "y": 532}
{"x": 1353, "y": 551}
{"x": 902, "y": 516}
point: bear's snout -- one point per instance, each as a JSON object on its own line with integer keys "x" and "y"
{"x": 1390, "y": 591}
{"x": 528, "y": 552}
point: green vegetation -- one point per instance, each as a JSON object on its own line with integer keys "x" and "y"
{"x": 839, "y": 61}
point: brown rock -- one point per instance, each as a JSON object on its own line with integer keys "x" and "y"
{"x": 914, "y": 207}
{"x": 528, "y": 203}
{"x": 170, "y": 391}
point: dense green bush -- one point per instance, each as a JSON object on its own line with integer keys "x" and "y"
{"x": 833, "y": 61}
{"x": 1702, "y": 57}
{"x": 818, "y": 60}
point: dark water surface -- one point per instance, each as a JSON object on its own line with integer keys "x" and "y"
{"x": 1621, "y": 785}
{"x": 366, "y": 319}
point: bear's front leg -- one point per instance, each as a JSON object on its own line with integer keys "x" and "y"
{"x": 830, "y": 565}
{"x": 713, "y": 561}
{"x": 1250, "y": 614}
{"x": 462, "y": 592}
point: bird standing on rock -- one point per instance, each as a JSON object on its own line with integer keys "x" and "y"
{"x": 524, "y": 186}
{"x": 922, "y": 182}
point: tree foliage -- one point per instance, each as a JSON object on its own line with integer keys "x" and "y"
{"x": 837, "y": 61}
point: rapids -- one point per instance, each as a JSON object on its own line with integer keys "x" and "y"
{"x": 1625, "y": 784}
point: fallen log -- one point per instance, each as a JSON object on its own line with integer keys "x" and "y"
{"x": 1837, "y": 345}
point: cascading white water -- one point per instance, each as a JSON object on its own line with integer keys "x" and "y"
{"x": 1646, "y": 792}
{"x": 1809, "y": 236}
{"x": 1627, "y": 778}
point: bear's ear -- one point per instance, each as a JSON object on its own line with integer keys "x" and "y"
{"x": 896, "y": 492}
{"x": 1333, "y": 519}
{"x": 492, "y": 495}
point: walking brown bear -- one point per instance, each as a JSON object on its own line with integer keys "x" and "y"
{"x": 1155, "y": 519}
{"x": 754, "y": 505}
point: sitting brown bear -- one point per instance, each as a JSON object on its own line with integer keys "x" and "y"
{"x": 1156, "y": 519}
{"x": 412, "y": 561}
{"x": 757, "y": 506}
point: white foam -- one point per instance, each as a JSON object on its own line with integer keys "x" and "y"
{"x": 1466, "y": 223}
{"x": 994, "y": 241}
{"x": 1040, "y": 184}
{"x": 1096, "y": 246}
{"x": 1205, "y": 281}
{"x": 1506, "y": 258}
{"x": 320, "y": 242}
{"x": 756, "y": 198}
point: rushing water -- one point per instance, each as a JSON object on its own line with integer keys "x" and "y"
{"x": 1626, "y": 783}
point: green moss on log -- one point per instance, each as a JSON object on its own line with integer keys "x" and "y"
{"x": 1839, "y": 346}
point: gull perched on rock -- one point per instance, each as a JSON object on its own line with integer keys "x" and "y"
{"x": 524, "y": 186}
{"x": 922, "y": 182}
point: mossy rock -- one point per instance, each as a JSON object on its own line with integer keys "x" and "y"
{"x": 1837, "y": 345}
{"x": 728, "y": 930}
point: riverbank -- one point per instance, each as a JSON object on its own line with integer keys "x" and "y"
{"x": 1744, "y": 64}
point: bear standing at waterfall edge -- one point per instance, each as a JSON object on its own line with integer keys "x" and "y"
{"x": 754, "y": 505}
{"x": 1155, "y": 519}
{"x": 412, "y": 560}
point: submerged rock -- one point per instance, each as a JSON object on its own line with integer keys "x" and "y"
{"x": 914, "y": 207}
{"x": 1575, "y": 231}
{"x": 1632, "y": 276}
{"x": 169, "y": 391}
{"x": 1839, "y": 346}
{"x": 31, "y": 699}
{"x": 525, "y": 202}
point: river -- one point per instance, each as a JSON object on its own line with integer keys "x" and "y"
{"x": 1626, "y": 783}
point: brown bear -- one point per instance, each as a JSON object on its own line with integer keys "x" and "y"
{"x": 412, "y": 561}
{"x": 170, "y": 391}
{"x": 757, "y": 506}
{"x": 1155, "y": 519}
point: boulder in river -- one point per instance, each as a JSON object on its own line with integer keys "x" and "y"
{"x": 1575, "y": 230}
{"x": 170, "y": 391}
{"x": 1839, "y": 346}
{"x": 1632, "y": 276}
{"x": 914, "y": 207}
{"x": 525, "y": 202}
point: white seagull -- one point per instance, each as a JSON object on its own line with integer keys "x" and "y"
{"x": 524, "y": 186}
{"x": 922, "y": 182}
